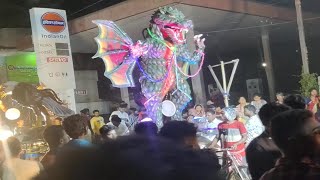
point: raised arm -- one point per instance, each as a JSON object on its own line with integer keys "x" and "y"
{"x": 195, "y": 57}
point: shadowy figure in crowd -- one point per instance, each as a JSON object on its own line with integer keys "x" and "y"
{"x": 147, "y": 128}
{"x": 135, "y": 158}
{"x": 181, "y": 132}
{"x": 107, "y": 133}
{"x": 280, "y": 97}
{"x": 76, "y": 127}
{"x": 119, "y": 126}
{"x": 258, "y": 102}
{"x": 262, "y": 153}
{"x": 56, "y": 137}
{"x": 96, "y": 122}
{"x": 15, "y": 168}
{"x": 297, "y": 134}
{"x": 295, "y": 101}
{"x": 86, "y": 113}
{"x": 253, "y": 125}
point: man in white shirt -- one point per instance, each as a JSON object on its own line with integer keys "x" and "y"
{"x": 15, "y": 168}
{"x": 212, "y": 121}
{"x": 254, "y": 125}
{"x": 121, "y": 113}
{"x": 119, "y": 126}
{"x": 210, "y": 129}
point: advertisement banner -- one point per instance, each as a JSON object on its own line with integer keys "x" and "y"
{"x": 52, "y": 47}
{"x": 3, "y": 70}
{"x": 22, "y": 68}
{"x": 51, "y": 42}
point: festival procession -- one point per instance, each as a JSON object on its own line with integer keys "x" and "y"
{"x": 160, "y": 90}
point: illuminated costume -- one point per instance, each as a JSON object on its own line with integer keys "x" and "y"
{"x": 163, "y": 59}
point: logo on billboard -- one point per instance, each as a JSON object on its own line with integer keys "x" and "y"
{"x": 53, "y": 22}
{"x": 57, "y": 59}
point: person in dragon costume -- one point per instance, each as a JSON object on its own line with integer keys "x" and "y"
{"x": 163, "y": 58}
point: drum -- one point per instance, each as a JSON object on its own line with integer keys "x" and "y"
{"x": 168, "y": 108}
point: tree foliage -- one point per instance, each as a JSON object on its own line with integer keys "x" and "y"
{"x": 307, "y": 82}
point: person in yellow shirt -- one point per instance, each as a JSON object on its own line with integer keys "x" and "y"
{"x": 96, "y": 123}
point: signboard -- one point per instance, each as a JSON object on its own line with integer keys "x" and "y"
{"x": 3, "y": 70}
{"x": 81, "y": 92}
{"x": 52, "y": 47}
{"x": 22, "y": 68}
{"x": 51, "y": 42}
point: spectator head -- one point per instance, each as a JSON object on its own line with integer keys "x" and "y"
{"x": 85, "y": 111}
{"x": 295, "y": 101}
{"x": 123, "y": 106}
{"x": 229, "y": 114}
{"x": 148, "y": 128}
{"x": 133, "y": 111}
{"x": 211, "y": 115}
{"x": 296, "y": 133}
{"x": 257, "y": 97}
{"x": 75, "y": 126}
{"x": 162, "y": 160}
{"x": 191, "y": 112}
{"x": 107, "y": 132}
{"x": 57, "y": 121}
{"x": 218, "y": 109}
{"x": 268, "y": 111}
{"x": 96, "y": 113}
{"x": 115, "y": 120}
{"x": 185, "y": 114}
{"x": 198, "y": 108}
{"x": 181, "y": 132}
{"x": 242, "y": 100}
{"x": 14, "y": 146}
{"x": 280, "y": 97}
{"x": 249, "y": 110}
{"x": 313, "y": 92}
{"x": 55, "y": 136}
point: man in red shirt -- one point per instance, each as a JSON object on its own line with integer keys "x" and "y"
{"x": 232, "y": 134}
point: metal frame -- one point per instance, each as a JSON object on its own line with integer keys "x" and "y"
{"x": 224, "y": 89}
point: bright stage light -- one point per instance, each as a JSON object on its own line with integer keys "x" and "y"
{"x": 12, "y": 114}
{"x": 264, "y": 64}
{"x": 146, "y": 120}
{"x": 5, "y": 134}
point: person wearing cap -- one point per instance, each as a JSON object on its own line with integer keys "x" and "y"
{"x": 121, "y": 113}
{"x": 232, "y": 134}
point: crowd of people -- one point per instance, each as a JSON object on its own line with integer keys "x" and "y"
{"x": 279, "y": 140}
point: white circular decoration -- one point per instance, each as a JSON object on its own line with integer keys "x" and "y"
{"x": 12, "y": 114}
{"x": 168, "y": 108}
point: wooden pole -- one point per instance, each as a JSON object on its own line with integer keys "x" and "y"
{"x": 268, "y": 59}
{"x": 303, "y": 46}
{"x": 224, "y": 84}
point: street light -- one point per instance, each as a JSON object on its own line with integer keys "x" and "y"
{"x": 264, "y": 64}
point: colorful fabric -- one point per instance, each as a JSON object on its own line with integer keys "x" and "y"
{"x": 232, "y": 133}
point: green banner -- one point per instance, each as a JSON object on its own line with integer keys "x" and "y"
{"x": 22, "y": 68}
